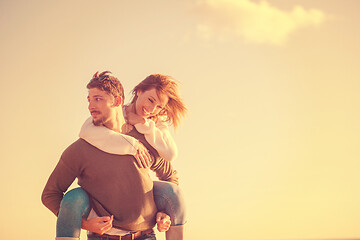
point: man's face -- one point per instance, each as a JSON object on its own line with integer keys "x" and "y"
{"x": 101, "y": 106}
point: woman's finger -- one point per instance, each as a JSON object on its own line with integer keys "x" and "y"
{"x": 143, "y": 155}
{"x": 146, "y": 160}
{"x": 147, "y": 154}
{"x": 137, "y": 157}
{"x": 143, "y": 160}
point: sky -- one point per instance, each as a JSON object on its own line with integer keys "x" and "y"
{"x": 269, "y": 148}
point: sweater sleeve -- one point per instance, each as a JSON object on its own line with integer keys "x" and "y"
{"x": 165, "y": 171}
{"x": 159, "y": 137}
{"x": 59, "y": 181}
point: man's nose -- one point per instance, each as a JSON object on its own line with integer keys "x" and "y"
{"x": 91, "y": 105}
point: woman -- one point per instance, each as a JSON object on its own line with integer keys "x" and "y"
{"x": 155, "y": 105}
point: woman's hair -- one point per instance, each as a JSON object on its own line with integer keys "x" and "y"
{"x": 108, "y": 83}
{"x": 163, "y": 84}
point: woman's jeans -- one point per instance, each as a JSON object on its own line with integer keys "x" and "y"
{"x": 76, "y": 205}
{"x": 168, "y": 198}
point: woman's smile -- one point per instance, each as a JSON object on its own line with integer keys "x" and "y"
{"x": 149, "y": 103}
{"x": 145, "y": 112}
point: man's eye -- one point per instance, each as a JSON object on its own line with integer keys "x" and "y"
{"x": 97, "y": 99}
{"x": 151, "y": 100}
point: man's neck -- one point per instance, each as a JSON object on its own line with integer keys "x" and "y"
{"x": 117, "y": 122}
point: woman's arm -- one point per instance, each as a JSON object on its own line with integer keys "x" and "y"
{"x": 159, "y": 137}
{"x": 108, "y": 140}
{"x": 114, "y": 142}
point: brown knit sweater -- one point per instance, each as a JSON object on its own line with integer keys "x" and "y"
{"x": 115, "y": 184}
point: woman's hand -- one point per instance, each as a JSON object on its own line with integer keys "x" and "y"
{"x": 142, "y": 156}
{"x": 132, "y": 118}
{"x": 99, "y": 225}
{"x": 163, "y": 221}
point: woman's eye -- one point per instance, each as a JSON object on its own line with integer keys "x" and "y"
{"x": 151, "y": 100}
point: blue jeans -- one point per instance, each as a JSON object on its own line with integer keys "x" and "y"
{"x": 76, "y": 205}
{"x": 168, "y": 198}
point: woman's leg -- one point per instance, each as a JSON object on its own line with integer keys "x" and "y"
{"x": 169, "y": 199}
{"x": 74, "y": 206}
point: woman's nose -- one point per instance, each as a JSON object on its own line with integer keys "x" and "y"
{"x": 152, "y": 108}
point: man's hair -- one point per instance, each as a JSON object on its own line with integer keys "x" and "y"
{"x": 108, "y": 83}
{"x": 163, "y": 84}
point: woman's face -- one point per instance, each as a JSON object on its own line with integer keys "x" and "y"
{"x": 149, "y": 103}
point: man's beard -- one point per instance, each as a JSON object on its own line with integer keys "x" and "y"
{"x": 99, "y": 122}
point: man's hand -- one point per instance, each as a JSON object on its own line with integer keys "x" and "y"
{"x": 142, "y": 156}
{"x": 163, "y": 221}
{"x": 99, "y": 225}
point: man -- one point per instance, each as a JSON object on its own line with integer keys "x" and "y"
{"x": 119, "y": 191}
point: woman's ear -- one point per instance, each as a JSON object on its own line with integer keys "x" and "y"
{"x": 138, "y": 92}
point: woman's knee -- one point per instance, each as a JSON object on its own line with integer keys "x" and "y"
{"x": 169, "y": 198}
{"x": 74, "y": 206}
{"x": 76, "y": 200}
{"x": 168, "y": 189}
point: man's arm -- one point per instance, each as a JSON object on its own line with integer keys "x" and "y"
{"x": 99, "y": 225}
{"x": 58, "y": 183}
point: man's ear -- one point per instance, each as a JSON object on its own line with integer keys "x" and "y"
{"x": 118, "y": 101}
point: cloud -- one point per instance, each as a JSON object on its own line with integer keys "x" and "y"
{"x": 255, "y": 22}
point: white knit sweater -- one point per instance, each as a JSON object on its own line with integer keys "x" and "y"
{"x": 157, "y": 135}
